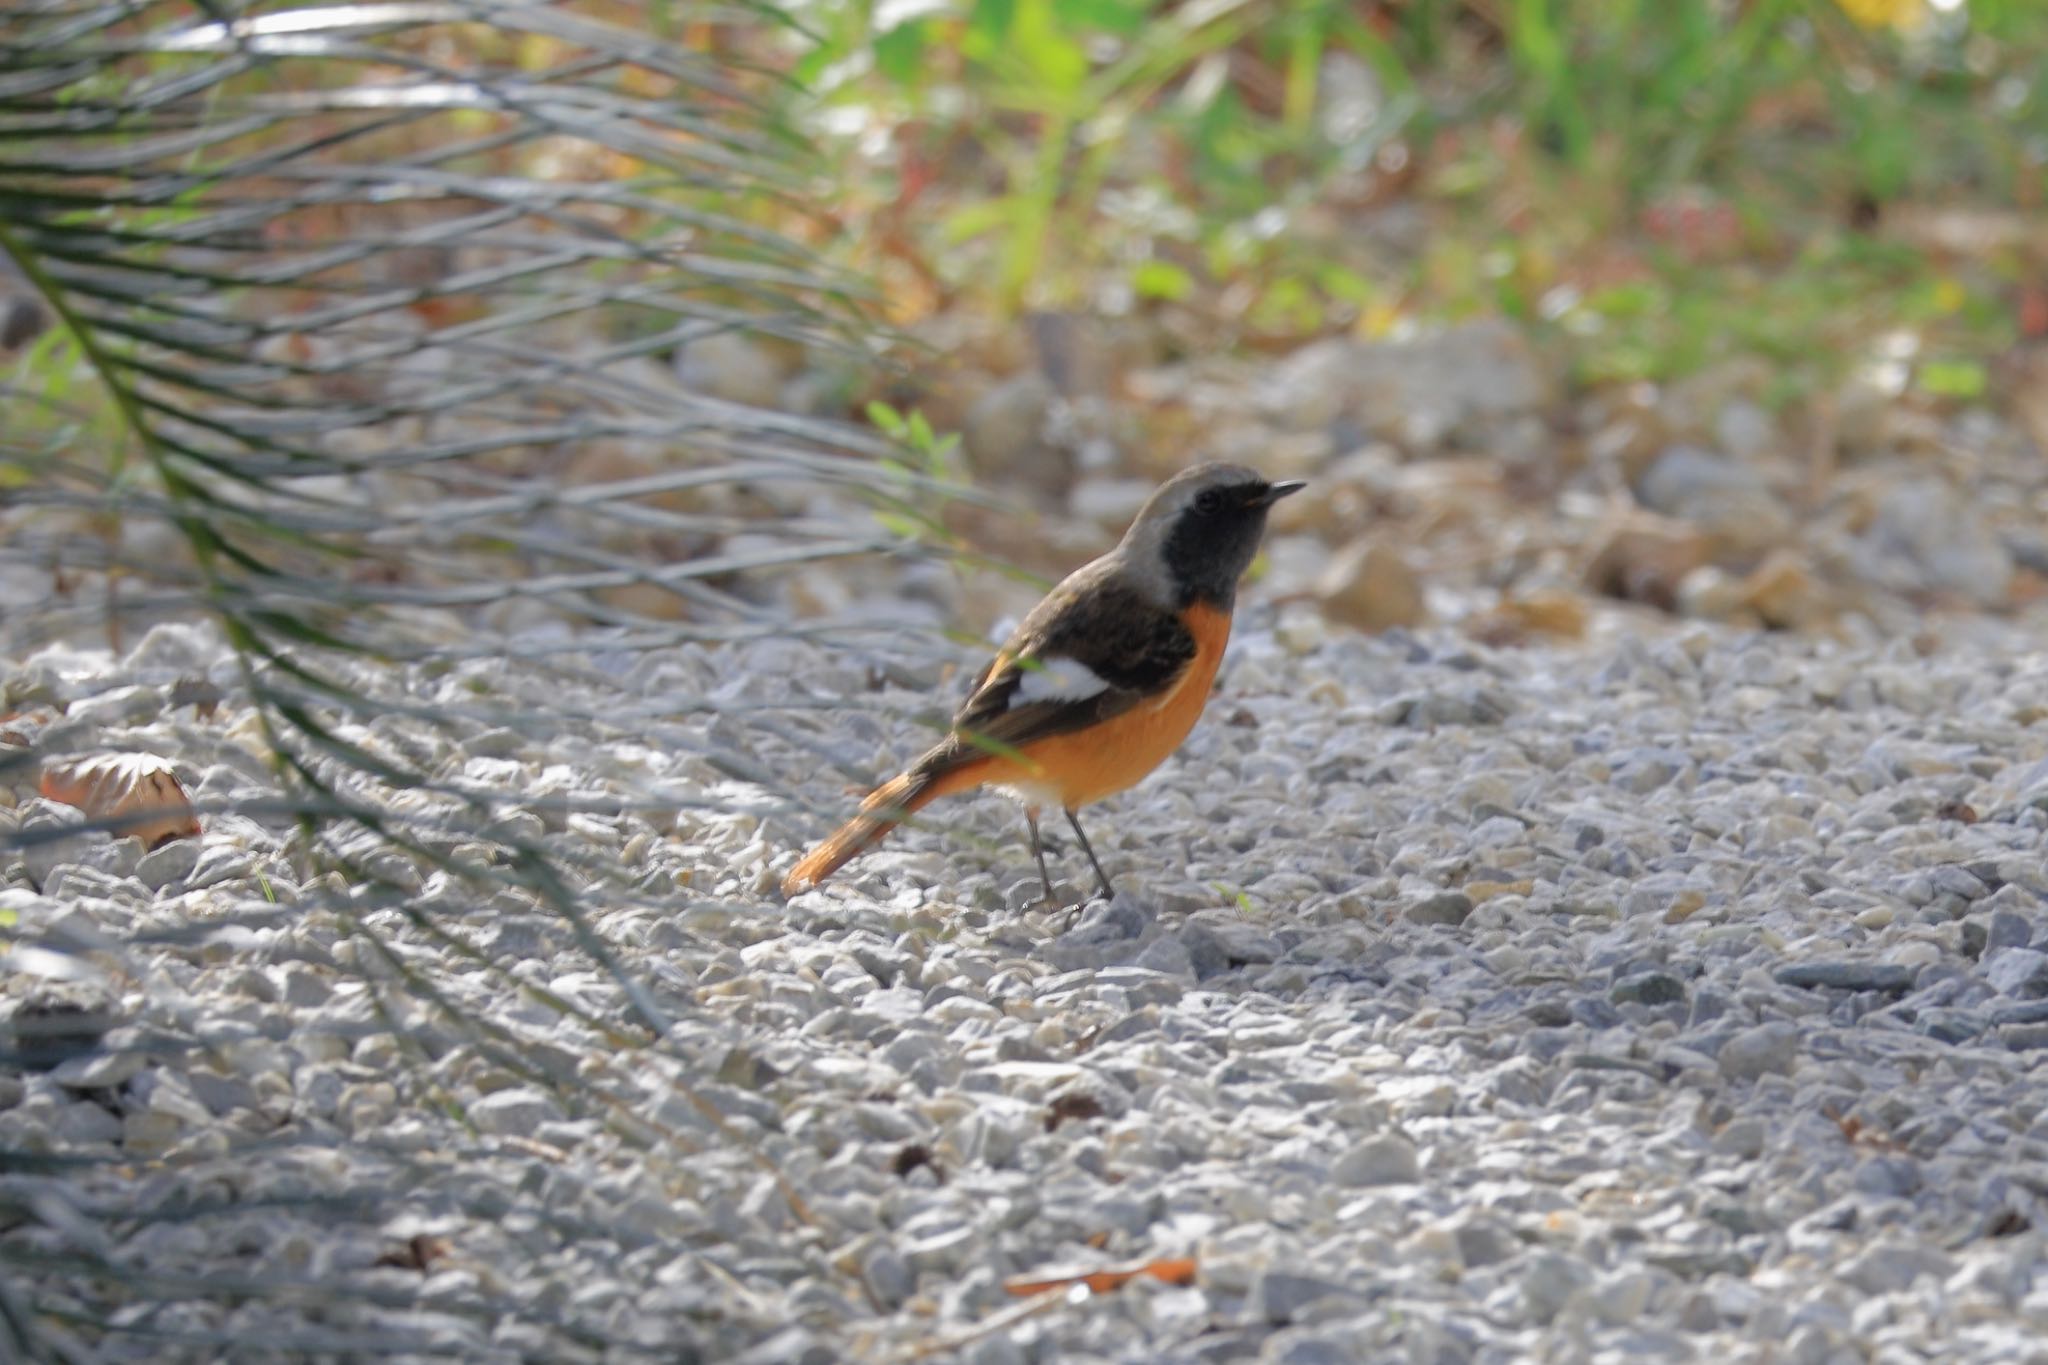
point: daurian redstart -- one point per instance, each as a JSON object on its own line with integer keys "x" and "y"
{"x": 1102, "y": 680}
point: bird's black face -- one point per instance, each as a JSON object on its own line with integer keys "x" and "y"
{"x": 1216, "y": 536}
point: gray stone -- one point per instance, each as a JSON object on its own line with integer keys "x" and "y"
{"x": 1005, "y": 435}
{"x": 1484, "y": 1241}
{"x": 1279, "y": 1296}
{"x": 887, "y": 1276}
{"x": 1889, "y": 1267}
{"x": 1926, "y": 535}
{"x": 1647, "y": 988}
{"x": 2008, "y": 929}
{"x": 1848, "y": 976}
{"x": 1217, "y": 942}
{"x": 1727, "y": 499}
{"x": 2024, "y": 1037}
{"x": 2021, "y": 973}
{"x": 1417, "y": 392}
{"x": 1169, "y": 955}
{"x": 1741, "y": 1137}
{"x": 45, "y": 844}
{"x": 1109, "y": 922}
{"x": 1620, "y": 1298}
{"x": 1960, "y": 882}
{"x": 1549, "y": 1282}
{"x": 511, "y": 1113}
{"x": 1771, "y": 1048}
{"x": 1300, "y": 1346}
{"x": 1645, "y": 770}
{"x": 168, "y": 864}
{"x": 1444, "y": 907}
{"x": 1388, "y": 1159}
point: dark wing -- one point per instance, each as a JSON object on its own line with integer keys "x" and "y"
{"x": 1091, "y": 649}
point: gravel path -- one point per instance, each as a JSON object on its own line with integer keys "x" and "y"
{"x": 1680, "y": 997}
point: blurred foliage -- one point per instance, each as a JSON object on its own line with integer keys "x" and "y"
{"x": 1665, "y": 181}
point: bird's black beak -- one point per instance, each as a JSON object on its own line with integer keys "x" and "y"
{"x": 1276, "y": 491}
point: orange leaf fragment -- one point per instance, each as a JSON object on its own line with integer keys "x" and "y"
{"x": 1172, "y": 1269}
{"x": 137, "y": 794}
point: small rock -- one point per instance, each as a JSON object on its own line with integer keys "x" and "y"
{"x": 1620, "y": 1298}
{"x": 1645, "y": 770}
{"x": 1279, "y": 1296}
{"x": 1890, "y": 1267}
{"x": 1927, "y": 536}
{"x": 1518, "y": 617}
{"x": 2008, "y": 929}
{"x": 1741, "y": 1137}
{"x": 1728, "y": 501}
{"x": 168, "y": 864}
{"x": 1169, "y": 955}
{"x": 1484, "y": 1241}
{"x": 1549, "y": 1282}
{"x": 1785, "y": 594}
{"x": 1445, "y": 907}
{"x": 1848, "y": 976}
{"x": 1646, "y": 560}
{"x": 1369, "y": 586}
{"x": 1217, "y": 944}
{"x": 887, "y": 1276}
{"x": 1005, "y": 436}
{"x": 1771, "y": 1048}
{"x": 2018, "y": 972}
{"x": 1388, "y": 1159}
{"x": 512, "y": 1113}
{"x": 1647, "y": 988}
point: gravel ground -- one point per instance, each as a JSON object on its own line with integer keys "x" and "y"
{"x": 1676, "y": 995}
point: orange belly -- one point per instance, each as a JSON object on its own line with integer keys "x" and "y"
{"x": 1074, "y": 769}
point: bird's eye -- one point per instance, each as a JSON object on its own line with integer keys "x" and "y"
{"x": 1209, "y": 500}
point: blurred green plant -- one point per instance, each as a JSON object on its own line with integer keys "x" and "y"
{"x": 1238, "y": 158}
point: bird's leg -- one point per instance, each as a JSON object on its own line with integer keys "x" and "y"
{"x": 1038, "y": 851}
{"x": 1108, "y": 891}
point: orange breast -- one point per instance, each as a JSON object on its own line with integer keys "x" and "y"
{"x": 1074, "y": 769}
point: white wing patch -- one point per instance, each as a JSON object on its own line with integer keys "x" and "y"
{"x": 1057, "y": 680}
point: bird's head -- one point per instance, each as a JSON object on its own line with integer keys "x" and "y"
{"x": 1197, "y": 535}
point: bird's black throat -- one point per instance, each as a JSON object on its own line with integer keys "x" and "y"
{"x": 1211, "y": 545}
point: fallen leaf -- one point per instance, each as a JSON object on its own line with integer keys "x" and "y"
{"x": 137, "y": 794}
{"x": 1544, "y": 611}
{"x": 1172, "y": 1269}
{"x": 417, "y": 1253}
{"x": 1073, "y": 1105}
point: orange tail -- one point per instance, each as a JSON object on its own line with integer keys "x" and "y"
{"x": 881, "y": 812}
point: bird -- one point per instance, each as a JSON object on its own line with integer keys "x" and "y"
{"x": 1100, "y": 682}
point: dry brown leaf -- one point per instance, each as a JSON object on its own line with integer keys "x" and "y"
{"x": 1543, "y": 611}
{"x": 417, "y": 1253}
{"x": 137, "y": 793}
{"x": 1172, "y": 1269}
{"x": 1079, "y": 1106}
